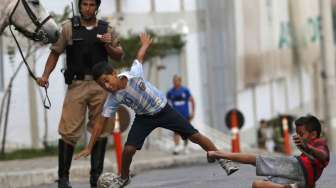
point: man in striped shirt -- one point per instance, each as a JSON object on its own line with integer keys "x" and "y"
{"x": 151, "y": 108}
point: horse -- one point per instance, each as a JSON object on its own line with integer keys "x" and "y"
{"x": 30, "y": 18}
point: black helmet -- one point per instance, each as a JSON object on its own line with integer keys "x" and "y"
{"x": 97, "y": 2}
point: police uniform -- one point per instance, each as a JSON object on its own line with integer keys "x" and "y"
{"x": 83, "y": 50}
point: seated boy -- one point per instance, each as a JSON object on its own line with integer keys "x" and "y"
{"x": 151, "y": 108}
{"x": 289, "y": 172}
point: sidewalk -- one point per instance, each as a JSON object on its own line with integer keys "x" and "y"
{"x": 32, "y": 172}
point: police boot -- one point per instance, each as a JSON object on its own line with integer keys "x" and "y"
{"x": 97, "y": 161}
{"x": 65, "y": 153}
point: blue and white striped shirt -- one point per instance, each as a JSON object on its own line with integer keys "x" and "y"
{"x": 139, "y": 95}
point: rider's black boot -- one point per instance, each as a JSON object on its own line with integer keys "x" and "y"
{"x": 97, "y": 161}
{"x": 65, "y": 153}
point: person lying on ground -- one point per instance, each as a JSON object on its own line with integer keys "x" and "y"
{"x": 289, "y": 171}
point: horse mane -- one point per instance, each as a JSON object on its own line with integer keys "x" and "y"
{"x": 5, "y": 13}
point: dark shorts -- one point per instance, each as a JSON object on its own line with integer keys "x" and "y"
{"x": 167, "y": 118}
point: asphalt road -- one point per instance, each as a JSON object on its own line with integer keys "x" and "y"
{"x": 210, "y": 175}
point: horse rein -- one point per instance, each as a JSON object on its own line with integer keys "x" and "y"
{"x": 38, "y": 35}
{"x": 33, "y": 36}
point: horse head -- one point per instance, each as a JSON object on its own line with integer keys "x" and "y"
{"x": 31, "y": 19}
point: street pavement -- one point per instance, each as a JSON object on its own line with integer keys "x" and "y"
{"x": 211, "y": 176}
{"x": 34, "y": 172}
{"x": 195, "y": 176}
{"x": 201, "y": 176}
{"x": 153, "y": 168}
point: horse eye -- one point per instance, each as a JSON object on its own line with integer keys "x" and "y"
{"x": 35, "y": 2}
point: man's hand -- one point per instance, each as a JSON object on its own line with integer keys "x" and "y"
{"x": 300, "y": 143}
{"x": 42, "y": 81}
{"x": 106, "y": 38}
{"x": 145, "y": 39}
{"x": 84, "y": 153}
{"x": 112, "y": 46}
{"x": 215, "y": 154}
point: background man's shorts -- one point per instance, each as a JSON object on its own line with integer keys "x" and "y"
{"x": 282, "y": 170}
{"x": 167, "y": 118}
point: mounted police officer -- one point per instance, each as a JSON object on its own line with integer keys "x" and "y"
{"x": 86, "y": 41}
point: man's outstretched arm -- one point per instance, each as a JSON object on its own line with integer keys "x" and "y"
{"x": 146, "y": 41}
{"x": 96, "y": 132}
{"x": 49, "y": 67}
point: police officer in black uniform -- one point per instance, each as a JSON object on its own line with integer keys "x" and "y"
{"x": 86, "y": 41}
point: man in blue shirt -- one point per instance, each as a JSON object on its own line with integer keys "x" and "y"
{"x": 179, "y": 98}
{"x": 151, "y": 109}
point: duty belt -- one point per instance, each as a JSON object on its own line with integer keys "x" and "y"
{"x": 86, "y": 77}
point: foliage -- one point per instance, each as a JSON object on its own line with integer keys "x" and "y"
{"x": 34, "y": 153}
{"x": 278, "y": 131}
{"x": 64, "y": 16}
{"x": 51, "y": 150}
{"x": 277, "y": 122}
{"x": 161, "y": 46}
{"x": 29, "y": 153}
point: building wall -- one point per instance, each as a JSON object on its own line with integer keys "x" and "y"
{"x": 238, "y": 53}
{"x": 220, "y": 49}
{"x": 270, "y": 61}
{"x": 19, "y": 128}
{"x": 136, "y": 16}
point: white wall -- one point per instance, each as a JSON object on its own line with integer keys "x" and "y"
{"x": 57, "y": 6}
{"x": 18, "y": 117}
{"x": 267, "y": 108}
{"x": 137, "y": 18}
{"x": 138, "y": 6}
{"x": 18, "y": 132}
{"x": 195, "y": 77}
{"x": 245, "y": 105}
{"x": 107, "y": 7}
{"x": 167, "y": 6}
{"x": 19, "y": 128}
{"x": 190, "y": 5}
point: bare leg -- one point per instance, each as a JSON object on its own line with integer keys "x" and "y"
{"x": 176, "y": 139}
{"x": 128, "y": 154}
{"x": 237, "y": 157}
{"x": 267, "y": 184}
{"x": 203, "y": 141}
{"x": 208, "y": 145}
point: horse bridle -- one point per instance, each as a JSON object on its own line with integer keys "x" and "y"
{"x": 38, "y": 34}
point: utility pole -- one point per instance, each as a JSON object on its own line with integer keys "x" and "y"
{"x": 2, "y": 82}
{"x": 119, "y": 7}
{"x": 153, "y": 6}
{"x": 328, "y": 71}
{"x": 34, "y": 131}
{"x": 76, "y": 7}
